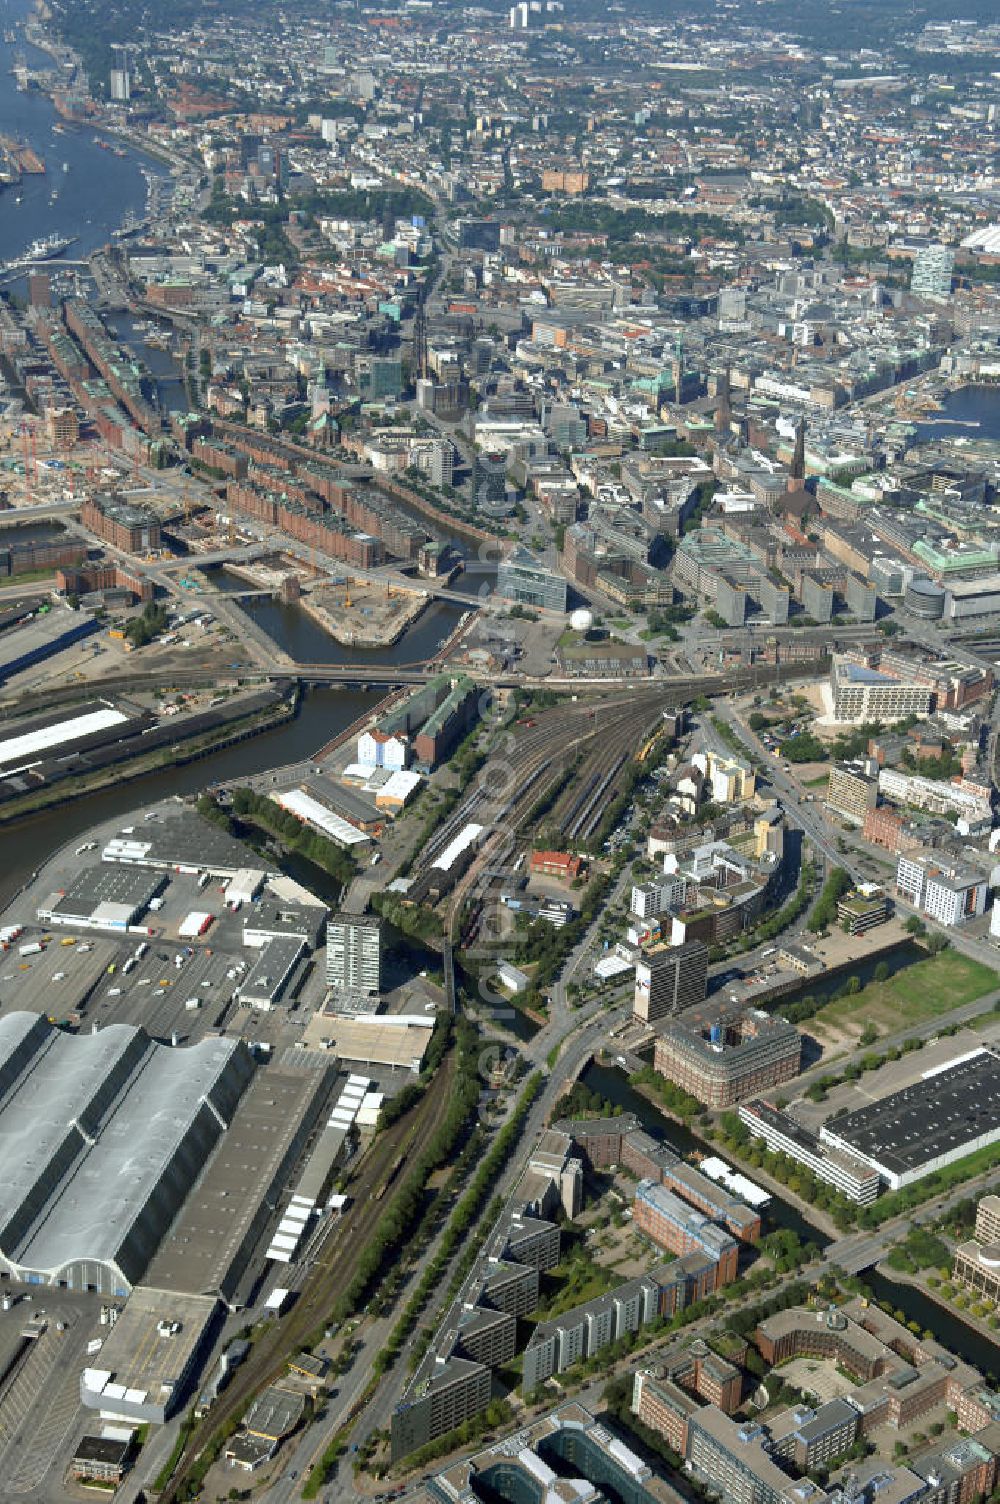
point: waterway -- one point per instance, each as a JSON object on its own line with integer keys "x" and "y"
{"x": 168, "y": 388}
{"x": 92, "y": 196}
{"x": 29, "y": 532}
{"x": 971, "y": 412}
{"x": 306, "y": 642}
{"x": 613, "y": 1085}
{"x": 826, "y": 986}
{"x": 29, "y": 842}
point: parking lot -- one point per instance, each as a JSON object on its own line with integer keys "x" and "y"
{"x": 40, "y": 1412}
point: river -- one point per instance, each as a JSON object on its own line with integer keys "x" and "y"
{"x": 95, "y": 192}
{"x": 613, "y": 1085}
{"x": 970, "y": 412}
{"x": 28, "y": 843}
{"x": 826, "y": 986}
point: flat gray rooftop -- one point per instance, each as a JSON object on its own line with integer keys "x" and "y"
{"x": 103, "y": 888}
{"x": 140, "y": 1357}
{"x": 941, "y": 1114}
{"x": 181, "y": 838}
{"x": 205, "y": 1250}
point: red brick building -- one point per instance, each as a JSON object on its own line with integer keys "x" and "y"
{"x": 132, "y": 529}
{"x": 557, "y": 864}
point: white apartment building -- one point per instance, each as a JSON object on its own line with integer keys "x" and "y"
{"x": 354, "y": 953}
{"x": 651, "y": 899}
{"x": 950, "y": 894}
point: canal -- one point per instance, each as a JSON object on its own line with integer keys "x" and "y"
{"x": 305, "y": 641}
{"x": 30, "y": 532}
{"x": 613, "y": 1085}
{"x": 164, "y": 371}
{"x": 823, "y": 988}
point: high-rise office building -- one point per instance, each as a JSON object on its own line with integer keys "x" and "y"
{"x": 354, "y": 954}
{"x": 932, "y": 269}
{"x": 670, "y": 978}
{"x": 385, "y": 377}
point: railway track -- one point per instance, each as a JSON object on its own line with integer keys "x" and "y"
{"x": 535, "y": 769}
{"x": 535, "y": 751}
{"x": 335, "y": 1260}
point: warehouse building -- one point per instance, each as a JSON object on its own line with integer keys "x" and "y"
{"x": 947, "y": 1114}
{"x": 320, "y": 816}
{"x": 44, "y": 735}
{"x": 604, "y": 659}
{"x": 132, "y": 529}
{"x": 150, "y": 1357}
{"x": 180, "y": 840}
{"x": 103, "y": 897}
{"x": 396, "y": 1040}
{"x": 272, "y": 970}
{"x": 102, "y": 1136}
{"x": 209, "y": 1245}
{"x": 446, "y": 725}
{"x": 848, "y": 1173}
{"x": 41, "y": 638}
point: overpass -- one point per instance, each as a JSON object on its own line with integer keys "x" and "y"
{"x": 676, "y": 689}
{"x": 681, "y": 686}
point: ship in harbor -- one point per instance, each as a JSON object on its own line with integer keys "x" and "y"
{"x": 47, "y": 246}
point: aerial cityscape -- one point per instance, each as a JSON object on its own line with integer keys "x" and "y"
{"x": 500, "y": 752}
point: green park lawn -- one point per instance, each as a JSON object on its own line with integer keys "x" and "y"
{"x": 927, "y": 989}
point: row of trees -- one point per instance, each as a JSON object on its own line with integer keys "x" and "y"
{"x": 258, "y": 810}
{"x": 673, "y": 1098}
{"x": 734, "y": 1136}
{"x": 406, "y": 1203}
{"x": 399, "y": 1105}
{"x": 467, "y": 1211}
{"x": 545, "y": 947}
{"x": 825, "y": 911}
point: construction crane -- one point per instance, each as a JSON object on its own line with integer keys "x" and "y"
{"x": 28, "y": 442}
